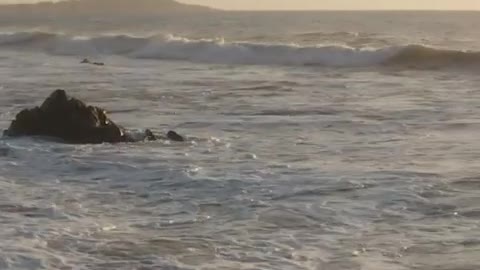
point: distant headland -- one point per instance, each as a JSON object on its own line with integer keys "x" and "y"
{"x": 114, "y": 7}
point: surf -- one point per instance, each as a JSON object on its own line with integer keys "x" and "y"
{"x": 219, "y": 51}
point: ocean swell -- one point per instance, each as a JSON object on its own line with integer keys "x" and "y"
{"x": 168, "y": 47}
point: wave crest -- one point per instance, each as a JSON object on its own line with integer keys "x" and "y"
{"x": 168, "y": 47}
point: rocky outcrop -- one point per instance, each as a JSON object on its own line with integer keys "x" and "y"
{"x": 86, "y": 61}
{"x": 173, "y": 136}
{"x": 71, "y": 120}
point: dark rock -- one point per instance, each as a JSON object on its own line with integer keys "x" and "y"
{"x": 68, "y": 119}
{"x": 86, "y": 61}
{"x": 172, "y": 135}
{"x": 72, "y": 121}
{"x": 149, "y": 136}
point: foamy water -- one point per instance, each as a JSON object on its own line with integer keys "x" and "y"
{"x": 308, "y": 148}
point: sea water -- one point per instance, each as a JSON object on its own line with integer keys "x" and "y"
{"x": 316, "y": 140}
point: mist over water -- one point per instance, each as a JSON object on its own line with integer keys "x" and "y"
{"x": 331, "y": 140}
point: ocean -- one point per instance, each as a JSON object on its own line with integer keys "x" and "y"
{"x": 316, "y": 140}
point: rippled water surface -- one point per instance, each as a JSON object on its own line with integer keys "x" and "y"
{"x": 286, "y": 167}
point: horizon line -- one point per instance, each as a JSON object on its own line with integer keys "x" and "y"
{"x": 351, "y": 10}
{"x": 280, "y": 10}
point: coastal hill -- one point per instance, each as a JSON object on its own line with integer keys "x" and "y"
{"x": 114, "y": 7}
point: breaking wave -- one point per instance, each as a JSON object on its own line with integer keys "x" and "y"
{"x": 168, "y": 47}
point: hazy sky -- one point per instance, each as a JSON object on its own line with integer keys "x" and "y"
{"x": 328, "y": 4}
{"x": 340, "y": 4}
